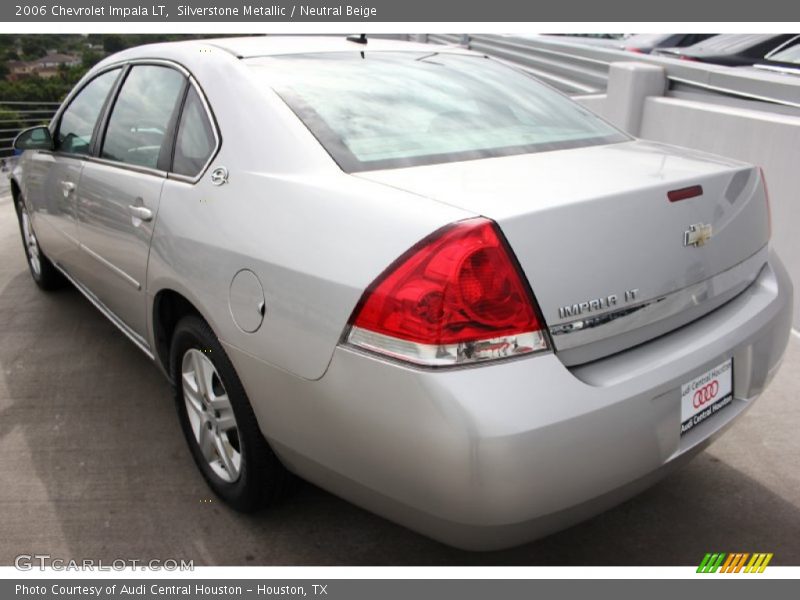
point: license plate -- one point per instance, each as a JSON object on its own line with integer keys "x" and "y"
{"x": 706, "y": 395}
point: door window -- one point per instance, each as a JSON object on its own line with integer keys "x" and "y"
{"x": 139, "y": 124}
{"x": 78, "y": 121}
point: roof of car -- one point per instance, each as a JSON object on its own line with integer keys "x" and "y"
{"x": 247, "y": 47}
{"x": 200, "y": 55}
{"x": 254, "y": 46}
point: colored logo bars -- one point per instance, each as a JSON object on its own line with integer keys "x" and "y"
{"x": 734, "y": 562}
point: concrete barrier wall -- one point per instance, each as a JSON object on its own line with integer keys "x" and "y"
{"x": 768, "y": 140}
{"x": 762, "y": 137}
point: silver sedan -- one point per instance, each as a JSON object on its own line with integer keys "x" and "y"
{"x": 410, "y": 274}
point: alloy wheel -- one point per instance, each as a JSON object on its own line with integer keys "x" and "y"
{"x": 210, "y": 415}
{"x": 31, "y": 245}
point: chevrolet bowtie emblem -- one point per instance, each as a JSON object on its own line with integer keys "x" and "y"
{"x": 697, "y": 235}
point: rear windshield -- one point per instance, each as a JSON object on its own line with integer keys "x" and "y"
{"x": 385, "y": 110}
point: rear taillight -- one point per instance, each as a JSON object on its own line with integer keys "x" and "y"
{"x": 456, "y": 297}
{"x": 769, "y": 206}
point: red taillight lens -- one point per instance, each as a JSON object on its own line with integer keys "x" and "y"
{"x": 455, "y": 297}
{"x": 769, "y": 206}
{"x": 634, "y": 49}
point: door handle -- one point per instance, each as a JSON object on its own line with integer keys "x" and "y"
{"x": 140, "y": 212}
{"x": 67, "y": 187}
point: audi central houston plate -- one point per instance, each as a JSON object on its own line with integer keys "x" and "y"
{"x": 705, "y": 395}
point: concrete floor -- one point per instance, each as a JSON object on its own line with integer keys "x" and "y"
{"x": 93, "y": 465}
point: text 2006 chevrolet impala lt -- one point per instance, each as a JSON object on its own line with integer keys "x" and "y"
{"x": 410, "y": 274}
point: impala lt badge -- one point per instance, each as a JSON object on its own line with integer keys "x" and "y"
{"x": 697, "y": 235}
{"x": 597, "y": 304}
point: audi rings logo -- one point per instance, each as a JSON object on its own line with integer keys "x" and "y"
{"x": 705, "y": 394}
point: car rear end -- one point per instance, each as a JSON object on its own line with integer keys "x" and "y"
{"x": 499, "y": 453}
{"x": 612, "y": 306}
{"x": 655, "y": 339}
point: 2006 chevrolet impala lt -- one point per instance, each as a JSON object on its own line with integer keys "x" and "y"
{"x": 412, "y": 275}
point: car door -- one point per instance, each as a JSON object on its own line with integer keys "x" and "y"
{"x": 51, "y": 178}
{"x": 120, "y": 190}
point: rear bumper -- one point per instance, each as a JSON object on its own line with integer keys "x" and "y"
{"x": 493, "y": 456}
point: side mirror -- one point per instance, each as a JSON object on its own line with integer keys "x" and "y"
{"x": 35, "y": 138}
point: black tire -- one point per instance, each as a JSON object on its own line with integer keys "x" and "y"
{"x": 46, "y": 276}
{"x": 262, "y": 479}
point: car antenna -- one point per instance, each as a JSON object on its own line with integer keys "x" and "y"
{"x": 358, "y": 39}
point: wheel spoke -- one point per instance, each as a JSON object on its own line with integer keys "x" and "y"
{"x": 202, "y": 372}
{"x": 226, "y": 421}
{"x": 220, "y": 403}
{"x": 191, "y": 394}
{"x": 226, "y": 459}
{"x": 206, "y": 442}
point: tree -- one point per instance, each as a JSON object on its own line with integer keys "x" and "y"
{"x": 113, "y": 43}
{"x": 33, "y": 46}
{"x": 89, "y": 59}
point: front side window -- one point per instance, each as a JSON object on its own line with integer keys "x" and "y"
{"x": 139, "y": 123}
{"x": 195, "y": 142}
{"x": 78, "y": 121}
{"x": 385, "y": 110}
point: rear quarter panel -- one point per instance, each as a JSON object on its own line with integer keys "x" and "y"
{"x": 313, "y": 235}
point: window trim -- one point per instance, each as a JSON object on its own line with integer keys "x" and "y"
{"x": 214, "y": 129}
{"x": 55, "y": 123}
{"x": 169, "y": 134}
{"x": 178, "y": 115}
{"x": 105, "y": 114}
{"x": 165, "y": 154}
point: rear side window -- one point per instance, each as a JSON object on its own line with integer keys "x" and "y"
{"x": 78, "y": 121}
{"x": 195, "y": 142}
{"x": 139, "y": 123}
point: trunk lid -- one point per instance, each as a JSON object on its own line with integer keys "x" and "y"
{"x": 604, "y": 249}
